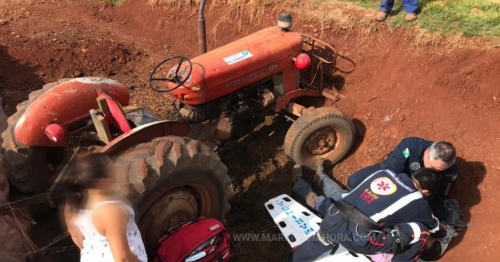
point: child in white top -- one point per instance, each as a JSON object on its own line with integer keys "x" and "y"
{"x": 100, "y": 225}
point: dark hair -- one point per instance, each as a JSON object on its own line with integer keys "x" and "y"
{"x": 432, "y": 250}
{"x": 443, "y": 151}
{"x": 428, "y": 179}
{"x": 86, "y": 174}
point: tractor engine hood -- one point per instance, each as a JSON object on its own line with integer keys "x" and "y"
{"x": 237, "y": 64}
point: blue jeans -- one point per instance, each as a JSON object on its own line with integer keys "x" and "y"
{"x": 312, "y": 248}
{"x": 333, "y": 192}
{"x": 410, "y": 6}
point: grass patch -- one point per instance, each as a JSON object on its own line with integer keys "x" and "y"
{"x": 448, "y": 17}
{"x": 468, "y": 17}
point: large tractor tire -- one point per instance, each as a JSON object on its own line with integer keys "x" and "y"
{"x": 323, "y": 132}
{"x": 4, "y": 184}
{"x": 171, "y": 180}
{"x": 13, "y": 244}
{"x": 27, "y": 167}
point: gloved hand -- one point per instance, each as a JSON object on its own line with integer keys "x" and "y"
{"x": 440, "y": 233}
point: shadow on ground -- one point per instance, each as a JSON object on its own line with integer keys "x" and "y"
{"x": 17, "y": 80}
{"x": 470, "y": 175}
{"x": 260, "y": 171}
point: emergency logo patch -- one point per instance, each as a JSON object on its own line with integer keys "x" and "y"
{"x": 406, "y": 153}
{"x": 383, "y": 186}
{"x": 415, "y": 166}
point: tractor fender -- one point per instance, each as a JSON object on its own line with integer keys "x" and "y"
{"x": 68, "y": 105}
{"x": 146, "y": 133}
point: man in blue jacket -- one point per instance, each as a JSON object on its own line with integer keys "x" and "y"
{"x": 357, "y": 219}
{"x": 413, "y": 154}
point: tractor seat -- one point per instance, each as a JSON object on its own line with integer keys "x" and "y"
{"x": 116, "y": 113}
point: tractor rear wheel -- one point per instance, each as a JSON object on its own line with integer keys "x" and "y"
{"x": 170, "y": 180}
{"x": 4, "y": 185}
{"x": 27, "y": 168}
{"x": 13, "y": 245}
{"x": 323, "y": 132}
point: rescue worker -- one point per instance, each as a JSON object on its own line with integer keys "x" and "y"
{"x": 356, "y": 219}
{"x": 413, "y": 154}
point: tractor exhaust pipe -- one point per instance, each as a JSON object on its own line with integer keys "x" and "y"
{"x": 202, "y": 37}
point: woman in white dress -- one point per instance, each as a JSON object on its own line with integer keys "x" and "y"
{"x": 102, "y": 226}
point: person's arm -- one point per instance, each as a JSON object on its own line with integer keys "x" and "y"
{"x": 69, "y": 219}
{"x": 449, "y": 179}
{"x": 399, "y": 156}
{"x": 426, "y": 217}
{"x": 111, "y": 221}
{"x": 419, "y": 211}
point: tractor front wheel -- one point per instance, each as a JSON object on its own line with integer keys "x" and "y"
{"x": 170, "y": 180}
{"x": 323, "y": 132}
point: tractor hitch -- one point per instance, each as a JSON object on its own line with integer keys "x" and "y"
{"x": 26, "y": 202}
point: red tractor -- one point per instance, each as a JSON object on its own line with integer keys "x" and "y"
{"x": 171, "y": 171}
{"x": 226, "y": 92}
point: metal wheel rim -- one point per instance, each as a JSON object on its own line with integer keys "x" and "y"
{"x": 323, "y": 143}
{"x": 170, "y": 209}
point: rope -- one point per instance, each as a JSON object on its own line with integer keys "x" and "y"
{"x": 26, "y": 237}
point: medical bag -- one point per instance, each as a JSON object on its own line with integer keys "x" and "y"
{"x": 199, "y": 240}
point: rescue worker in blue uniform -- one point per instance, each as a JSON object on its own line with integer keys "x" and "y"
{"x": 413, "y": 154}
{"x": 356, "y": 219}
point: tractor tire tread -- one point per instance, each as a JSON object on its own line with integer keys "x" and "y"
{"x": 152, "y": 166}
{"x": 16, "y": 157}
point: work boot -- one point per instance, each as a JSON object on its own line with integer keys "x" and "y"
{"x": 410, "y": 17}
{"x": 380, "y": 16}
{"x": 320, "y": 170}
{"x": 297, "y": 173}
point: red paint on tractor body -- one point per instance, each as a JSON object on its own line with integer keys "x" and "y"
{"x": 68, "y": 105}
{"x": 240, "y": 63}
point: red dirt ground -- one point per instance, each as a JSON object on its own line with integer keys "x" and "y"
{"x": 395, "y": 91}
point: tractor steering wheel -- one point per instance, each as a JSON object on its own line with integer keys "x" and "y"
{"x": 174, "y": 77}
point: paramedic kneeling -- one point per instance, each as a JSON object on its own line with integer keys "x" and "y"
{"x": 412, "y": 154}
{"x": 352, "y": 219}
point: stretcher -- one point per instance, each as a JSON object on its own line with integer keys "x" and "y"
{"x": 297, "y": 223}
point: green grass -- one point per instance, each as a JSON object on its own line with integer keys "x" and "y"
{"x": 448, "y": 17}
